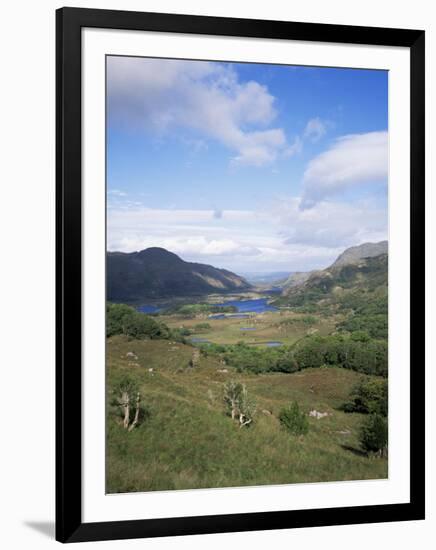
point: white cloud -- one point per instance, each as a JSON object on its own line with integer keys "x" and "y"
{"x": 280, "y": 237}
{"x": 332, "y": 225}
{"x": 315, "y": 129}
{"x": 160, "y": 95}
{"x": 352, "y": 160}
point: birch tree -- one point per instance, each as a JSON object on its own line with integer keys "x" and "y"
{"x": 130, "y": 403}
{"x": 239, "y": 405}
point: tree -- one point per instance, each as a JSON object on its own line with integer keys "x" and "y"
{"x": 232, "y": 395}
{"x": 247, "y": 408}
{"x": 122, "y": 319}
{"x": 115, "y": 318}
{"x": 239, "y": 404}
{"x": 129, "y": 400}
{"x": 294, "y": 420}
{"x": 369, "y": 396}
{"x": 374, "y": 435}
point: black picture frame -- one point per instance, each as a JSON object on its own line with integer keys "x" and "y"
{"x": 69, "y": 525}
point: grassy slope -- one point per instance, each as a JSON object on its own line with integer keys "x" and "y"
{"x": 189, "y": 442}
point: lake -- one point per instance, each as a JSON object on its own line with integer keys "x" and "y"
{"x": 244, "y": 307}
{"x": 148, "y": 309}
{"x": 258, "y": 305}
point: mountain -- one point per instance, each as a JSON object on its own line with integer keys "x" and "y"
{"x": 357, "y": 271}
{"x": 157, "y": 273}
{"x": 350, "y": 256}
{"x": 355, "y": 253}
{"x": 297, "y": 278}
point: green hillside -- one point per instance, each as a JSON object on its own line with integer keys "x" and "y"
{"x": 295, "y": 394}
{"x": 188, "y": 441}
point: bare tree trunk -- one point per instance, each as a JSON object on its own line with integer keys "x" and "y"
{"x": 233, "y": 410}
{"x": 125, "y": 402}
{"x": 135, "y": 420}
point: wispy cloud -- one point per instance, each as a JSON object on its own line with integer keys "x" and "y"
{"x": 352, "y": 160}
{"x": 315, "y": 129}
{"x": 117, "y": 193}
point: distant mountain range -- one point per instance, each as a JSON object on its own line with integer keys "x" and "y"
{"x": 156, "y": 273}
{"x": 273, "y": 277}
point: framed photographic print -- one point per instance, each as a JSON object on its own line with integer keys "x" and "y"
{"x": 240, "y": 274}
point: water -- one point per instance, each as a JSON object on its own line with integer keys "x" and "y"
{"x": 200, "y": 340}
{"x": 244, "y": 307}
{"x": 148, "y": 309}
{"x": 274, "y": 344}
{"x": 258, "y": 305}
{"x": 247, "y": 328}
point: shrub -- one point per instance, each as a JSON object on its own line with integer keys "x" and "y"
{"x": 123, "y": 319}
{"x": 374, "y": 435}
{"x": 349, "y": 352}
{"x": 294, "y": 420}
{"x": 116, "y": 314}
{"x": 368, "y": 397}
{"x": 138, "y": 325}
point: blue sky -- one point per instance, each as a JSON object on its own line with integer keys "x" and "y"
{"x": 245, "y": 166}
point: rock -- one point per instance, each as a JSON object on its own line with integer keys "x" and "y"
{"x": 150, "y": 370}
{"x": 318, "y": 415}
{"x": 224, "y": 371}
{"x": 267, "y": 412}
{"x": 131, "y": 354}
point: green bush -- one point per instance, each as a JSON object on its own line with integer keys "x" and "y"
{"x": 369, "y": 396}
{"x": 350, "y": 352}
{"x": 374, "y": 435}
{"x": 116, "y": 314}
{"x": 294, "y": 420}
{"x": 122, "y": 319}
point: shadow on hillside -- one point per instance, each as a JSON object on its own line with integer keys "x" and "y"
{"x": 353, "y": 450}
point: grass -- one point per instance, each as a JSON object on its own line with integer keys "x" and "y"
{"x": 188, "y": 441}
{"x": 287, "y": 327}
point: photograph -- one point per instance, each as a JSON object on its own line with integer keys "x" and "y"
{"x": 246, "y": 274}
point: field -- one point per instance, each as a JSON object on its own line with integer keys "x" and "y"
{"x": 284, "y": 326}
{"x": 187, "y": 441}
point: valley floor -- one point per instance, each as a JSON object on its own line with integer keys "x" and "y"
{"x": 284, "y": 326}
{"x": 187, "y": 441}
